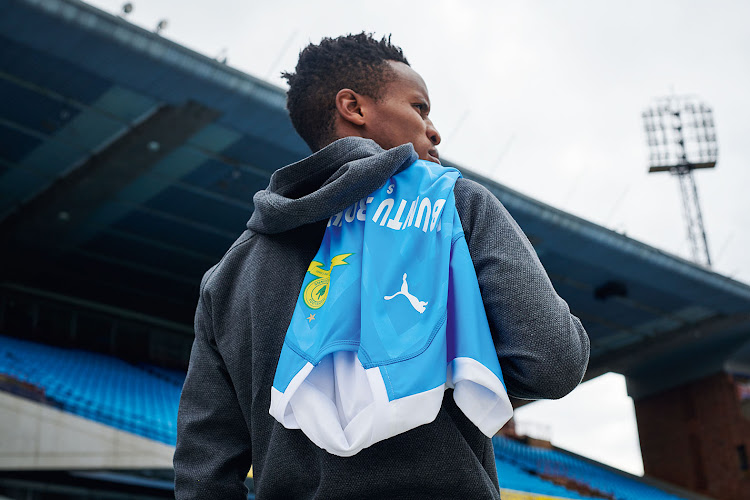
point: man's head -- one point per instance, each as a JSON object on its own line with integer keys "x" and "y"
{"x": 355, "y": 85}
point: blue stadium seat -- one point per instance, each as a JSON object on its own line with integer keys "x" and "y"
{"x": 513, "y": 477}
{"x": 138, "y": 399}
{"x": 143, "y": 399}
{"x": 543, "y": 461}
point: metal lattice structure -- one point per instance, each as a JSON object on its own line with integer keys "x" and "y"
{"x": 681, "y": 138}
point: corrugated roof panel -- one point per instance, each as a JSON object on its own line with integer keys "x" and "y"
{"x": 154, "y": 227}
{"x": 141, "y": 253}
{"x": 187, "y": 205}
{"x": 261, "y": 153}
{"x": 24, "y": 107}
{"x": 226, "y": 180}
{"x": 24, "y": 182}
{"x": 14, "y": 144}
{"x": 215, "y": 138}
{"x": 49, "y": 72}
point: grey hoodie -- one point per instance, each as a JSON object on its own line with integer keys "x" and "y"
{"x": 245, "y": 305}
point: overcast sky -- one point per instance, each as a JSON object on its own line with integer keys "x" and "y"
{"x": 546, "y": 98}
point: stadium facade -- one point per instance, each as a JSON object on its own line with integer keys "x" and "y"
{"x": 127, "y": 165}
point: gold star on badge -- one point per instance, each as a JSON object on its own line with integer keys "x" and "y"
{"x": 310, "y": 318}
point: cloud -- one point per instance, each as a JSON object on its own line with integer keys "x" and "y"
{"x": 596, "y": 420}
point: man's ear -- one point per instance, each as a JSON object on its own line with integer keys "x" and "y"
{"x": 349, "y": 107}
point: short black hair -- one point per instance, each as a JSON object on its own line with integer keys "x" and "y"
{"x": 357, "y": 62}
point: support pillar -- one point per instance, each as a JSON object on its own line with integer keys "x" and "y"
{"x": 697, "y": 436}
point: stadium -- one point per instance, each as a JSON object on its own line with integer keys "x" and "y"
{"x": 127, "y": 164}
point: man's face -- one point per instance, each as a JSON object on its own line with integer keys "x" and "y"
{"x": 401, "y": 115}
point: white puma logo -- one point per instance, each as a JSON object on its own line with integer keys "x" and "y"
{"x": 417, "y": 304}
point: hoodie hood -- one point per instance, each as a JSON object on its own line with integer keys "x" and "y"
{"x": 325, "y": 183}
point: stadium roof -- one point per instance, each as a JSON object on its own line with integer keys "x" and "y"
{"x": 128, "y": 164}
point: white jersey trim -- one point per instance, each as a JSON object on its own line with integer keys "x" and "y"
{"x": 343, "y": 407}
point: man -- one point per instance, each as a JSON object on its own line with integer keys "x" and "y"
{"x": 364, "y": 111}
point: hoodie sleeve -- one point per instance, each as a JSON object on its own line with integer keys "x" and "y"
{"x": 543, "y": 349}
{"x": 214, "y": 451}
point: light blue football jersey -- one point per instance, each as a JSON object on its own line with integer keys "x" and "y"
{"x": 389, "y": 317}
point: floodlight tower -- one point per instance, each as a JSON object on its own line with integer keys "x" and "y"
{"x": 681, "y": 138}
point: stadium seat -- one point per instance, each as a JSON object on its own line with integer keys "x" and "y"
{"x": 143, "y": 399}
{"x": 551, "y": 462}
{"x": 139, "y": 399}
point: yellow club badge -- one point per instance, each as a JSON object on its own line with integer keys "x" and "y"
{"x": 316, "y": 292}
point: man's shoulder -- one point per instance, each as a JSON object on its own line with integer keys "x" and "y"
{"x": 468, "y": 190}
{"x": 229, "y": 262}
{"x": 476, "y": 205}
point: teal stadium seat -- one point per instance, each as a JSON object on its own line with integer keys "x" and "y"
{"x": 542, "y": 461}
{"x": 143, "y": 399}
{"x": 136, "y": 399}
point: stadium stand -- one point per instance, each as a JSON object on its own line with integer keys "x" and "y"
{"x": 515, "y": 478}
{"x": 98, "y": 387}
{"x": 512, "y": 456}
{"x": 142, "y": 399}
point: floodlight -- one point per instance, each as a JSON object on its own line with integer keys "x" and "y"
{"x": 681, "y": 137}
